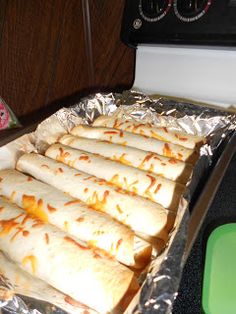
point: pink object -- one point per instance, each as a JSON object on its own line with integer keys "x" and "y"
{"x": 4, "y": 116}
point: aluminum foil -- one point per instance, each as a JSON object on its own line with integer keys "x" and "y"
{"x": 160, "y": 282}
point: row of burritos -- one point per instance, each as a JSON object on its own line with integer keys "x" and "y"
{"x": 84, "y": 217}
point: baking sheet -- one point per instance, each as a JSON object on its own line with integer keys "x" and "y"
{"x": 161, "y": 282}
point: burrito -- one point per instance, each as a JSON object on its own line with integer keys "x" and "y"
{"x": 160, "y": 190}
{"x": 30, "y": 286}
{"x": 141, "y": 215}
{"x": 63, "y": 262}
{"x": 71, "y": 215}
{"x": 147, "y": 129}
{"x": 169, "y": 168}
{"x": 139, "y": 141}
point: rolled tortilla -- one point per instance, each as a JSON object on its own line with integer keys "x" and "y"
{"x": 63, "y": 262}
{"x": 30, "y": 286}
{"x": 138, "y": 141}
{"x": 160, "y": 190}
{"x": 169, "y": 168}
{"x": 143, "y": 216}
{"x": 69, "y": 214}
{"x": 147, "y": 129}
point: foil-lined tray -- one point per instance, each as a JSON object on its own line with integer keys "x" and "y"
{"x": 160, "y": 283}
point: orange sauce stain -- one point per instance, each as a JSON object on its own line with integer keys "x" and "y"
{"x": 37, "y": 224}
{"x": 118, "y": 123}
{"x": 167, "y": 150}
{"x": 80, "y": 219}
{"x": 51, "y": 209}
{"x": 60, "y": 170}
{"x": 74, "y": 303}
{"x": 27, "y": 217}
{"x": 85, "y": 190}
{"x": 34, "y": 207}
{"x": 92, "y": 243}
{"x": 141, "y": 132}
{"x": 118, "y": 244}
{"x": 180, "y": 156}
{"x": 122, "y": 159}
{"x": 115, "y": 180}
{"x": 136, "y": 127}
{"x": 46, "y": 236}
{"x": 1, "y": 179}
{"x": 151, "y": 168}
{"x": 157, "y": 188}
{"x": 130, "y": 186}
{"x": 84, "y": 157}
{"x": 72, "y": 202}
{"x": 163, "y": 164}
{"x": 20, "y": 229}
{"x": 146, "y": 159}
{"x": 25, "y": 233}
{"x": 121, "y": 191}
{"x": 173, "y": 161}
{"x": 70, "y": 240}
{"x": 147, "y": 192}
{"x": 110, "y": 132}
{"x": 96, "y": 203}
{"x": 184, "y": 139}
{"x": 88, "y": 178}
{"x": 29, "y": 179}
{"x": 62, "y": 155}
{"x": 1, "y": 208}
{"x": 152, "y": 183}
{"x": 8, "y": 225}
{"x": 157, "y": 136}
{"x": 157, "y": 158}
{"x": 96, "y": 255}
{"x": 128, "y": 127}
{"x": 121, "y": 134}
{"x": 102, "y": 182}
{"x": 165, "y": 129}
{"x": 149, "y": 195}
{"x": 32, "y": 260}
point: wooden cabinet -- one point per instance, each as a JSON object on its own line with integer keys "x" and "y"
{"x": 58, "y": 49}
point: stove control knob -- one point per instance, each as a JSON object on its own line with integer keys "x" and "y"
{"x": 154, "y": 10}
{"x": 191, "y": 10}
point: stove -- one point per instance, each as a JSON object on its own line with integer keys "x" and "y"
{"x": 185, "y": 48}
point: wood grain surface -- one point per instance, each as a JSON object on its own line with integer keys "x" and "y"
{"x": 71, "y": 70}
{"x": 53, "y": 50}
{"x": 113, "y": 61}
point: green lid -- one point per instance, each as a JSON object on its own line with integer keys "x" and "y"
{"x": 219, "y": 282}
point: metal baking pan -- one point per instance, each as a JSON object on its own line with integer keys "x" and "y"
{"x": 204, "y": 193}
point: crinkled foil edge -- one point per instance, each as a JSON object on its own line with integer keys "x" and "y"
{"x": 160, "y": 286}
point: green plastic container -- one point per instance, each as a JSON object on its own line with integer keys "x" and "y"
{"x": 219, "y": 282}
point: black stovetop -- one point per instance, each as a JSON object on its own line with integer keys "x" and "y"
{"x": 222, "y": 210}
{"x": 200, "y": 22}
